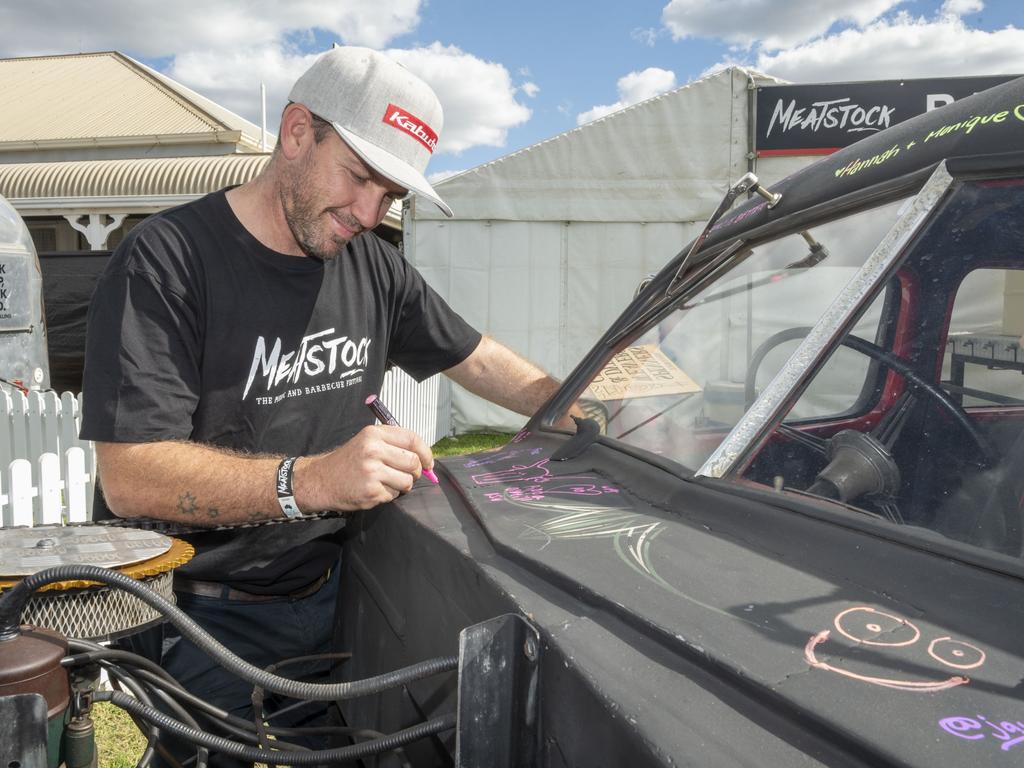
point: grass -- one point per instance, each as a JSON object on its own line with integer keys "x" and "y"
{"x": 120, "y": 743}
{"x": 469, "y": 443}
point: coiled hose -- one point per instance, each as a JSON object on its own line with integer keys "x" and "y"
{"x": 252, "y": 754}
{"x": 12, "y": 603}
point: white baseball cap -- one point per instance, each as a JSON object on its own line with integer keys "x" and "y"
{"x": 387, "y": 115}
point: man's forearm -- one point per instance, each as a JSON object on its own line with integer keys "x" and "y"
{"x": 202, "y": 485}
{"x": 187, "y": 483}
{"x": 496, "y": 373}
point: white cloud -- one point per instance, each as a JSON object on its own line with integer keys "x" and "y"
{"x": 437, "y": 178}
{"x": 156, "y": 28}
{"x": 478, "y": 95}
{"x": 530, "y": 89}
{"x": 770, "y": 23}
{"x": 647, "y": 36}
{"x": 901, "y": 47}
{"x": 633, "y": 88}
{"x": 962, "y": 7}
{"x": 227, "y": 49}
{"x": 233, "y": 80}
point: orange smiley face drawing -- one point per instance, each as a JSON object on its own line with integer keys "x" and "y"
{"x": 871, "y": 627}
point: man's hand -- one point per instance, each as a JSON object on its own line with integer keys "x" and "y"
{"x": 372, "y": 468}
{"x": 201, "y": 485}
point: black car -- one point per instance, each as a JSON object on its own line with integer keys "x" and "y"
{"x": 786, "y": 526}
{"x": 773, "y": 518}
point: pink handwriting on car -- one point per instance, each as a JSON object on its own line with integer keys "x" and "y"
{"x": 980, "y": 727}
{"x": 540, "y": 483}
{"x": 483, "y": 461}
{"x": 517, "y": 473}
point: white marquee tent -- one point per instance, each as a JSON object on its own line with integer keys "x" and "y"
{"x": 548, "y": 244}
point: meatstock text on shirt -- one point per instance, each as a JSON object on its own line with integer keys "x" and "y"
{"x": 319, "y": 358}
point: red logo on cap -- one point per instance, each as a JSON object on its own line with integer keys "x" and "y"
{"x": 408, "y": 122}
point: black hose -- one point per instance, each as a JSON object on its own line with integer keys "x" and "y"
{"x": 258, "y": 696}
{"x": 221, "y": 718}
{"x": 119, "y": 673}
{"x": 159, "y": 681}
{"x": 13, "y": 601}
{"x": 314, "y": 757}
{"x": 111, "y": 654}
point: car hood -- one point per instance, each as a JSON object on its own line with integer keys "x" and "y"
{"x": 848, "y": 637}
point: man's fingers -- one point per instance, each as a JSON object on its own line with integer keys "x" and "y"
{"x": 372, "y": 468}
{"x": 401, "y": 482}
{"x": 406, "y": 439}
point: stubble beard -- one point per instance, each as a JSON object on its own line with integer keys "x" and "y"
{"x": 305, "y": 218}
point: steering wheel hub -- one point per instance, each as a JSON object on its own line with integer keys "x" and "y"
{"x": 859, "y": 464}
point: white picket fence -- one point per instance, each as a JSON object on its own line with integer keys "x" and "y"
{"x": 424, "y": 407}
{"x": 46, "y": 472}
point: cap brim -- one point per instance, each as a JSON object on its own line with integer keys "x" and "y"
{"x": 392, "y": 168}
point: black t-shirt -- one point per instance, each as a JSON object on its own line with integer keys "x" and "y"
{"x": 198, "y": 332}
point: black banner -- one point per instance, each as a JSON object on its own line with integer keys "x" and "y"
{"x": 820, "y": 118}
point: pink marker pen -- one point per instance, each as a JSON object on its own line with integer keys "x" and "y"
{"x": 384, "y": 416}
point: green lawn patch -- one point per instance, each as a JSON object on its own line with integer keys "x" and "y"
{"x": 470, "y": 443}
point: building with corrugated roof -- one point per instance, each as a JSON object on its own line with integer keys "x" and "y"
{"x": 92, "y": 143}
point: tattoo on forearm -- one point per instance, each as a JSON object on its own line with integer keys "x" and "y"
{"x": 187, "y": 504}
{"x": 213, "y": 512}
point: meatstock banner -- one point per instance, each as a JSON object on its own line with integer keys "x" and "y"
{"x": 821, "y": 118}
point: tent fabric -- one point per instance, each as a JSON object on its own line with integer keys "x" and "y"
{"x": 664, "y": 159}
{"x": 548, "y": 244}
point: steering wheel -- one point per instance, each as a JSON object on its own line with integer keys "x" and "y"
{"x": 861, "y": 463}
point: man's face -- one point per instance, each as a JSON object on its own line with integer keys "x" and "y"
{"x": 330, "y": 195}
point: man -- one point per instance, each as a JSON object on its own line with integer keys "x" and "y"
{"x": 233, "y": 341}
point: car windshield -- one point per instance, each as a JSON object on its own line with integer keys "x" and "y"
{"x": 679, "y": 387}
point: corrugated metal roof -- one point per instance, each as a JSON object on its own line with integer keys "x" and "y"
{"x": 123, "y": 178}
{"x": 80, "y": 182}
{"x": 84, "y": 96}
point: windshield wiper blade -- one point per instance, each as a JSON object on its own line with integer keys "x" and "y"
{"x": 697, "y": 280}
{"x": 817, "y": 254}
{"x": 748, "y": 182}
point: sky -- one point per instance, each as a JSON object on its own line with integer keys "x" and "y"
{"x": 510, "y": 75}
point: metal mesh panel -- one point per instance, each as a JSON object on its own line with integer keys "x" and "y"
{"x": 96, "y": 613}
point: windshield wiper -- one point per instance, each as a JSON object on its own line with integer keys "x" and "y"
{"x": 817, "y": 253}
{"x": 678, "y": 285}
{"x": 748, "y": 182}
{"x": 694, "y": 282}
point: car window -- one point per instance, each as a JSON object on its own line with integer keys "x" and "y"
{"x": 936, "y": 439}
{"x": 678, "y": 388}
{"x": 984, "y": 361}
